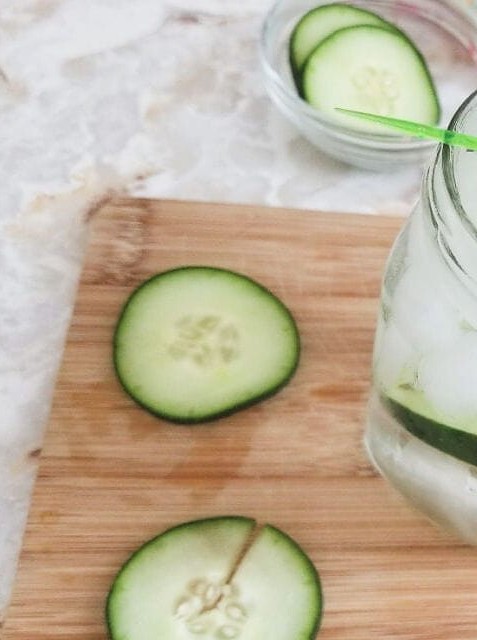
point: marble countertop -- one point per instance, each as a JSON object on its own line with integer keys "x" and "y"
{"x": 152, "y": 98}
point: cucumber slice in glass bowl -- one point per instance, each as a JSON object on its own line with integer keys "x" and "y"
{"x": 371, "y": 69}
{"x": 196, "y": 343}
{"x": 219, "y": 578}
{"x": 319, "y": 23}
{"x": 439, "y": 32}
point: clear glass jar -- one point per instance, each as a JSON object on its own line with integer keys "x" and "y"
{"x": 422, "y": 421}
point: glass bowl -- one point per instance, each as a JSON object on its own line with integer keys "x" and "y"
{"x": 447, "y": 38}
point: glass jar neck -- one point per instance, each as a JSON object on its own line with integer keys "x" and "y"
{"x": 450, "y": 200}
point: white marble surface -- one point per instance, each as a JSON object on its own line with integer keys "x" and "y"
{"x": 156, "y": 98}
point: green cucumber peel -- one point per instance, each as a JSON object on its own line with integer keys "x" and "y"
{"x": 418, "y": 130}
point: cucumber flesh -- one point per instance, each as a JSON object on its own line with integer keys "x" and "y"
{"x": 276, "y": 562}
{"x": 220, "y": 578}
{"x": 454, "y": 436}
{"x": 368, "y": 68}
{"x": 319, "y": 23}
{"x": 197, "y": 343}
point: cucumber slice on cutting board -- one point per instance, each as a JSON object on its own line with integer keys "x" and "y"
{"x": 368, "y": 68}
{"x": 457, "y": 437}
{"x": 196, "y": 343}
{"x": 219, "y": 578}
{"x": 319, "y": 23}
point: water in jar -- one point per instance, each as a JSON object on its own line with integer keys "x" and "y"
{"x": 422, "y": 426}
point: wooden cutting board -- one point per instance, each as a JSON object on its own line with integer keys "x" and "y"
{"x": 112, "y": 476}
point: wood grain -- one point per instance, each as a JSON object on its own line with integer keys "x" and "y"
{"x": 111, "y": 476}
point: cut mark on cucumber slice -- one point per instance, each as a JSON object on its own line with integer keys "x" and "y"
{"x": 209, "y": 606}
{"x": 371, "y": 69}
{"x": 219, "y": 578}
{"x": 197, "y": 343}
{"x": 455, "y": 437}
{"x": 203, "y": 597}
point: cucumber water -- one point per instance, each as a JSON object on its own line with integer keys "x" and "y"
{"x": 455, "y": 437}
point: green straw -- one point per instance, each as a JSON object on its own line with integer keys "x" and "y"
{"x": 418, "y": 130}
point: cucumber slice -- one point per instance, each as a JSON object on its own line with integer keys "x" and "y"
{"x": 368, "y": 68}
{"x": 198, "y": 343}
{"x": 319, "y": 23}
{"x": 456, "y": 437}
{"x": 218, "y": 578}
{"x": 282, "y": 588}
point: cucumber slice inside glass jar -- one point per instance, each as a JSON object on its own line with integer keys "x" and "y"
{"x": 456, "y": 437}
{"x": 319, "y": 23}
{"x": 371, "y": 69}
{"x": 219, "y": 578}
{"x": 197, "y": 343}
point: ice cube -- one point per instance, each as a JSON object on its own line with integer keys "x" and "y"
{"x": 448, "y": 377}
{"x": 392, "y": 355}
{"x": 423, "y": 311}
